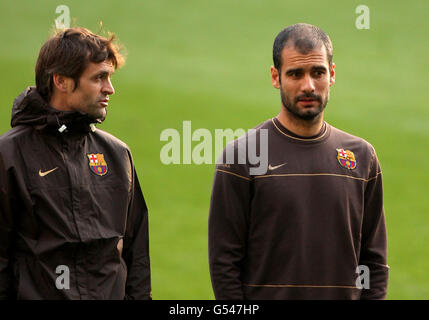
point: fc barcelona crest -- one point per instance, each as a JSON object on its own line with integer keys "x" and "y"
{"x": 346, "y": 158}
{"x": 97, "y": 163}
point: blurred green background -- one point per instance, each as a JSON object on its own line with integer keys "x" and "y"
{"x": 208, "y": 62}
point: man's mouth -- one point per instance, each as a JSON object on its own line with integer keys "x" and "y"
{"x": 308, "y": 100}
{"x": 104, "y": 102}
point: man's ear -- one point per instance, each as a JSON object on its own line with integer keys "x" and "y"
{"x": 275, "y": 80}
{"x": 62, "y": 83}
{"x": 332, "y": 74}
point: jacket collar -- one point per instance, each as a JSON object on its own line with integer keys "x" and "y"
{"x": 29, "y": 108}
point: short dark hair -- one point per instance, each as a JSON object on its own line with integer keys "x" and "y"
{"x": 68, "y": 52}
{"x": 304, "y": 37}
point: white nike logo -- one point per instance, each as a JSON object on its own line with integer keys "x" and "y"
{"x": 270, "y": 167}
{"x": 42, "y": 174}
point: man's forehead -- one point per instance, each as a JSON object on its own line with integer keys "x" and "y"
{"x": 293, "y": 58}
{"x": 105, "y": 66}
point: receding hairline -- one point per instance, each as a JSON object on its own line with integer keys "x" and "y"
{"x": 302, "y": 37}
{"x": 291, "y": 46}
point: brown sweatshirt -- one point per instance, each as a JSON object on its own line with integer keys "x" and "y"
{"x": 300, "y": 230}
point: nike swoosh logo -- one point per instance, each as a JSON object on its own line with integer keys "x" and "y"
{"x": 270, "y": 167}
{"x": 42, "y": 174}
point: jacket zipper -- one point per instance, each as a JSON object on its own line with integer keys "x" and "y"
{"x": 64, "y": 150}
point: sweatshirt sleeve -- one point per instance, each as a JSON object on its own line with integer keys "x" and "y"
{"x": 374, "y": 236}
{"x": 136, "y": 247}
{"x": 228, "y": 225}
{"x": 6, "y": 232}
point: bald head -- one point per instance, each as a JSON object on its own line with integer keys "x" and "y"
{"x": 304, "y": 38}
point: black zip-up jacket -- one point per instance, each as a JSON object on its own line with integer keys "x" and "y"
{"x": 73, "y": 220}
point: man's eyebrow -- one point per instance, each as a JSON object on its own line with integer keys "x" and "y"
{"x": 103, "y": 73}
{"x": 289, "y": 71}
{"x": 319, "y": 68}
{"x": 297, "y": 70}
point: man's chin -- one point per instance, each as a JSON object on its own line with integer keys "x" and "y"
{"x": 309, "y": 116}
{"x": 99, "y": 116}
{"x": 310, "y": 113}
{"x": 306, "y": 114}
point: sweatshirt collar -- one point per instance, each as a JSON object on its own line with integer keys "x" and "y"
{"x": 320, "y": 136}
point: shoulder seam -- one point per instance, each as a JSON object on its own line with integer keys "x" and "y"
{"x": 234, "y": 174}
{"x": 369, "y": 179}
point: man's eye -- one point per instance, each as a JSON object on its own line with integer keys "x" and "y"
{"x": 99, "y": 77}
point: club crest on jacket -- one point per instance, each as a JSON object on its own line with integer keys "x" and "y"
{"x": 97, "y": 164}
{"x": 346, "y": 158}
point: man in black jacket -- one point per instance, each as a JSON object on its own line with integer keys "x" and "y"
{"x": 73, "y": 219}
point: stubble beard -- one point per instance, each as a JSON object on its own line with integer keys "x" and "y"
{"x": 304, "y": 114}
{"x": 96, "y": 112}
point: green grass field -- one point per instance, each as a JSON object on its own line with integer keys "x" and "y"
{"x": 208, "y": 62}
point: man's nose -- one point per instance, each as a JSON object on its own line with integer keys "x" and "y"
{"x": 108, "y": 87}
{"x": 308, "y": 84}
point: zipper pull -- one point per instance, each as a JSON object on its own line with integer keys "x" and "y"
{"x": 62, "y": 128}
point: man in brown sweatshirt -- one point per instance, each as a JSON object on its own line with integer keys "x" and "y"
{"x": 309, "y": 225}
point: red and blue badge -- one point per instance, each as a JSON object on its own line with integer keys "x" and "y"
{"x": 346, "y": 158}
{"x": 97, "y": 164}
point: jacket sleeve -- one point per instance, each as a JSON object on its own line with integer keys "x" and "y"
{"x": 6, "y": 232}
{"x": 136, "y": 247}
{"x": 374, "y": 236}
{"x": 228, "y": 225}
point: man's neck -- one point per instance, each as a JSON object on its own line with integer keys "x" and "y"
{"x": 300, "y": 127}
{"x": 58, "y": 102}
